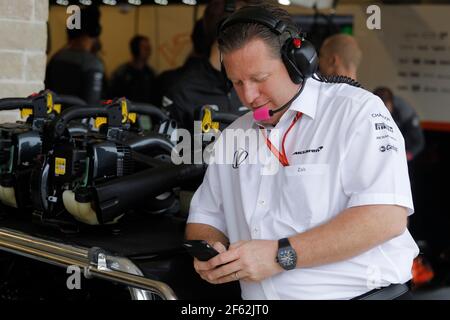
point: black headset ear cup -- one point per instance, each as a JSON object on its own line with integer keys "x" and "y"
{"x": 301, "y": 63}
{"x": 294, "y": 73}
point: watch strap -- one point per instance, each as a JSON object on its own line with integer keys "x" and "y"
{"x": 283, "y": 243}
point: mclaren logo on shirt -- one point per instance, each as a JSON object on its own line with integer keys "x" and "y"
{"x": 388, "y": 147}
{"x": 309, "y": 150}
{"x": 239, "y": 157}
{"x": 383, "y": 126}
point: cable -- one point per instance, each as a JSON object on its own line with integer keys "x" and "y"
{"x": 336, "y": 79}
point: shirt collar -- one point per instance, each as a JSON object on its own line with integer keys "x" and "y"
{"x": 306, "y": 102}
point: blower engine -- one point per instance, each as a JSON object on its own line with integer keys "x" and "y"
{"x": 97, "y": 177}
{"x": 21, "y": 142}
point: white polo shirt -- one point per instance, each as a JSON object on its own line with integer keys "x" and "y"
{"x": 345, "y": 151}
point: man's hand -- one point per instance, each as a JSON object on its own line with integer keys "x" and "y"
{"x": 204, "y": 267}
{"x": 245, "y": 260}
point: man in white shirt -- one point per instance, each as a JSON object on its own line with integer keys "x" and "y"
{"x": 310, "y": 189}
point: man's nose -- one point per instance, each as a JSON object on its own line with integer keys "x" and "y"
{"x": 251, "y": 92}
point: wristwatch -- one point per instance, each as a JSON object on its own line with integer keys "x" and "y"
{"x": 286, "y": 255}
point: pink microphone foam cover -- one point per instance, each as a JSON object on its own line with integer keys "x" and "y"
{"x": 261, "y": 114}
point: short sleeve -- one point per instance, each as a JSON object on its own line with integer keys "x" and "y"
{"x": 207, "y": 203}
{"x": 374, "y": 168}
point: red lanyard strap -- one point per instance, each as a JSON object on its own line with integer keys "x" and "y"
{"x": 282, "y": 156}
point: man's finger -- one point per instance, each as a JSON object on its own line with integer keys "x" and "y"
{"x": 225, "y": 270}
{"x": 234, "y": 276}
{"x": 223, "y": 258}
{"x": 219, "y": 247}
{"x": 202, "y": 265}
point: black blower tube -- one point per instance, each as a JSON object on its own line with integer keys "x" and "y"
{"x": 15, "y": 103}
{"x": 149, "y": 142}
{"x": 147, "y": 109}
{"x": 77, "y": 113}
{"x": 120, "y": 195}
{"x": 88, "y": 111}
{"x": 68, "y": 100}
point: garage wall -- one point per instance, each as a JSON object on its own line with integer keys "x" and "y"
{"x": 409, "y": 54}
{"x": 23, "y": 42}
{"x": 168, "y": 28}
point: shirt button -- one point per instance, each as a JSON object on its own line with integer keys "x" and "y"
{"x": 262, "y": 202}
{"x": 255, "y": 231}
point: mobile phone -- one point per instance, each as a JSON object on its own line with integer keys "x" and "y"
{"x": 200, "y": 249}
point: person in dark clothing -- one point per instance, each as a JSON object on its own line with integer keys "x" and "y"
{"x": 170, "y": 77}
{"x": 135, "y": 79}
{"x": 75, "y": 70}
{"x": 406, "y": 119}
{"x": 200, "y": 82}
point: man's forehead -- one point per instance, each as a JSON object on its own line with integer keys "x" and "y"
{"x": 255, "y": 49}
{"x": 255, "y": 46}
{"x": 254, "y": 69}
{"x": 254, "y": 58}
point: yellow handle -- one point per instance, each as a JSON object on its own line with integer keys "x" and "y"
{"x": 99, "y": 121}
{"x": 49, "y": 103}
{"x": 124, "y": 111}
{"x": 207, "y": 123}
{"x": 132, "y": 117}
{"x": 26, "y": 112}
{"x": 57, "y": 108}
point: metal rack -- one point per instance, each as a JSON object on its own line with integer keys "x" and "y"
{"x": 94, "y": 261}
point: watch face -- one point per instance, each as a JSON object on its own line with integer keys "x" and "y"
{"x": 287, "y": 258}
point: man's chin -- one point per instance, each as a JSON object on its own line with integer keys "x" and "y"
{"x": 270, "y": 121}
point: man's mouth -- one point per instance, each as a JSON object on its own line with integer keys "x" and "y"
{"x": 261, "y": 105}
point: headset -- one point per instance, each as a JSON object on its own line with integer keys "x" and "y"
{"x": 298, "y": 54}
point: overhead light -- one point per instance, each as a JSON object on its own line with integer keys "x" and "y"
{"x": 135, "y": 2}
{"x": 284, "y": 2}
{"x": 86, "y": 2}
{"x": 62, "y": 2}
{"x": 319, "y": 4}
{"x": 162, "y": 2}
{"x": 110, "y": 2}
{"x": 190, "y": 2}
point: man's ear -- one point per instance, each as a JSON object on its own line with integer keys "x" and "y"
{"x": 335, "y": 61}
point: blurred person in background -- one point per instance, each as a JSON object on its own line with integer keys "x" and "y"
{"x": 201, "y": 82}
{"x": 135, "y": 79}
{"x": 340, "y": 55}
{"x": 74, "y": 69}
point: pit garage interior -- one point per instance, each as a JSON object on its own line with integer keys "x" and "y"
{"x": 59, "y": 152}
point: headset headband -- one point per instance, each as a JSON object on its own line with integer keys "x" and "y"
{"x": 259, "y": 15}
